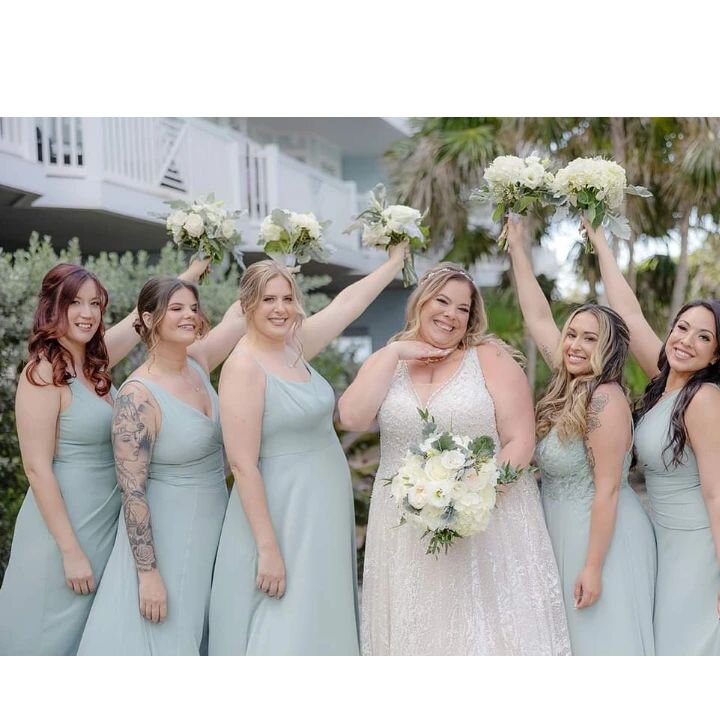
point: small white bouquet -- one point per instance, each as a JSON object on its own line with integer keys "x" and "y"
{"x": 514, "y": 185}
{"x": 293, "y": 238}
{"x": 595, "y": 188}
{"x": 205, "y": 227}
{"x": 383, "y": 225}
{"x": 448, "y": 485}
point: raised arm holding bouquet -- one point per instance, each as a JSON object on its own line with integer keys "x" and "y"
{"x": 385, "y": 225}
{"x": 595, "y": 189}
{"x": 205, "y": 227}
{"x": 515, "y": 185}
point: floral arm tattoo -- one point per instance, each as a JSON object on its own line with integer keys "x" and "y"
{"x": 597, "y": 404}
{"x": 133, "y": 438}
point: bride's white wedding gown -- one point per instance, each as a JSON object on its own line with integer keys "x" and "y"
{"x": 497, "y": 593}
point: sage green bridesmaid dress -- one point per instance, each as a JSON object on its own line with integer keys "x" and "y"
{"x": 309, "y": 495}
{"x": 688, "y": 580}
{"x": 187, "y": 496}
{"x": 39, "y": 613}
{"x": 620, "y": 622}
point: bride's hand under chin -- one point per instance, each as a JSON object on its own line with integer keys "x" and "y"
{"x": 418, "y": 350}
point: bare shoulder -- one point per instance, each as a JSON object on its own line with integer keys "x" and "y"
{"x": 241, "y": 370}
{"x": 497, "y": 362}
{"x": 45, "y": 394}
{"x": 42, "y": 373}
{"x": 705, "y": 404}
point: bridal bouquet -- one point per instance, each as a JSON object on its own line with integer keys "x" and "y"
{"x": 595, "y": 188}
{"x": 514, "y": 185}
{"x": 448, "y": 485}
{"x": 203, "y": 226}
{"x": 294, "y": 238}
{"x": 383, "y": 225}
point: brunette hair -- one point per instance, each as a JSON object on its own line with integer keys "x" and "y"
{"x": 59, "y": 288}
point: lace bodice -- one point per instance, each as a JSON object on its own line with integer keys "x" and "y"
{"x": 495, "y": 593}
{"x": 565, "y": 469}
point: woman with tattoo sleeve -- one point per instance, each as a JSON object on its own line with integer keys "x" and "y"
{"x": 66, "y": 526}
{"x": 602, "y": 538}
{"x": 168, "y": 453}
{"x": 678, "y": 447}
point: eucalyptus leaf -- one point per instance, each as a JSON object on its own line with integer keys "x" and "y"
{"x": 638, "y": 190}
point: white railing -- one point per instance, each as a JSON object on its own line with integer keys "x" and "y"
{"x": 59, "y": 143}
{"x": 176, "y": 158}
{"x": 14, "y": 136}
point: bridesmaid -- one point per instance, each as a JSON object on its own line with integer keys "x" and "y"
{"x": 285, "y": 577}
{"x": 677, "y": 446}
{"x": 66, "y": 525}
{"x": 169, "y": 460}
{"x": 602, "y": 537}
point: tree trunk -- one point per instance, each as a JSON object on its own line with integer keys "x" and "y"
{"x": 530, "y": 348}
{"x": 618, "y": 138}
{"x": 681, "y": 274}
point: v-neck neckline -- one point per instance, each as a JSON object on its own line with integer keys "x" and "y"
{"x": 438, "y": 389}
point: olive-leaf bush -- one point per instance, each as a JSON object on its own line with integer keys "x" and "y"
{"x": 21, "y": 273}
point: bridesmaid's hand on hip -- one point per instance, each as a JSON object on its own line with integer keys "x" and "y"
{"x": 271, "y": 573}
{"x": 152, "y": 596}
{"x": 78, "y": 572}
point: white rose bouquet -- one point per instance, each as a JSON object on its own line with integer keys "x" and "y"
{"x": 514, "y": 185}
{"x": 383, "y": 225}
{"x": 595, "y": 188}
{"x": 448, "y": 485}
{"x": 289, "y": 237}
{"x": 205, "y": 227}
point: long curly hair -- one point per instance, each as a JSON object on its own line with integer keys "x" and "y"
{"x": 154, "y": 299}
{"x": 429, "y": 285}
{"x": 567, "y": 399}
{"x": 59, "y": 288}
{"x": 677, "y": 432}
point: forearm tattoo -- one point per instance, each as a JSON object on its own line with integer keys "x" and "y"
{"x": 597, "y": 404}
{"x": 133, "y": 441}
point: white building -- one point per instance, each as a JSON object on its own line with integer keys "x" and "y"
{"x": 104, "y": 179}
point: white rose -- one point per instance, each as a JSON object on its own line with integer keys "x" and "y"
{"x": 436, "y": 471}
{"x": 440, "y": 493}
{"x": 306, "y": 221}
{"x": 418, "y": 495}
{"x": 533, "y": 176}
{"x": 431, "y": 517}
{"x": 194, "y": 225}
{"x": 452, "y": 459}
{"x": 228, "y": 228}
{"x": 375, "y": 236}
{"x": 176, "y": 219}
{"x": 401, "y": 214}
{"x": 269, "y": 231}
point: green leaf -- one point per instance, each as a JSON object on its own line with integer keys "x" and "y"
{"x": 498, "y": 212}
{"x": 638, "y": 190}
{"x": 483, "y": 445}
{"x": 591, "y": 213}
{"x": 444, "y": 442}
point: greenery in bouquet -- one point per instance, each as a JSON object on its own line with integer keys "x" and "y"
{"x": 447, "y": 486}
{"x": 292, "y": 238}
{"x": 205, "y": 227}
{"x": 515, "y": 185}
{"x": 383, "y": 225}
{"x": 595, "y": 188}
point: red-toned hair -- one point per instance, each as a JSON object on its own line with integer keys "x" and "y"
{"x": 59, "y": 288}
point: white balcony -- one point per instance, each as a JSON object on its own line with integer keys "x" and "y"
{"x": 103, "y": 178}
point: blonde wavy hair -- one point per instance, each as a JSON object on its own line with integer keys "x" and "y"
{"x": 429, "y": 286}
{"x": 567, "y": 399}
{"x": 252, "y": 288}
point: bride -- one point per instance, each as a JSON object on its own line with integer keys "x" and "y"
{"x": 498, "y": 592}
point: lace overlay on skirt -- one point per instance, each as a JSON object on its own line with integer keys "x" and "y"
{"x": 497, "y": 593}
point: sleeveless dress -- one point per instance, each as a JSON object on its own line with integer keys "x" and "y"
{"x": 495, "y": 593}
{"x": 620, "y": 622}
{"x": 310, "y": 499}
{"x": 39, "y": 613}
{"x": 187, "y": 496}
{"x": 688, "y": 578}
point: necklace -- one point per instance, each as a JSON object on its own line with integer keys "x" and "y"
{"x": 189, "y": 382}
